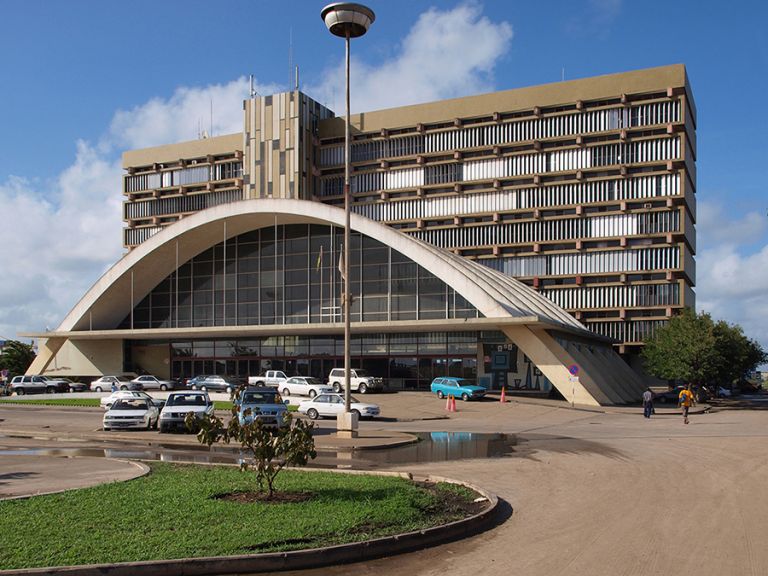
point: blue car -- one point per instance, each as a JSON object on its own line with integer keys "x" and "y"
{"x": 263, "y": 404}
{"x": 456, "y": 387}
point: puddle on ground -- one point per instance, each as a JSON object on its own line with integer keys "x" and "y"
{"x": 432, "y": 447}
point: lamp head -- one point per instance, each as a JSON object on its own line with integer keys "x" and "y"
{"x": 347, "y": 18}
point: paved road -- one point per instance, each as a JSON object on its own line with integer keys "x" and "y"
{"x": 595, "y": 493}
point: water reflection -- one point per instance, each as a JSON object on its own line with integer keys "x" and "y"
{"x": 432, "y": 447}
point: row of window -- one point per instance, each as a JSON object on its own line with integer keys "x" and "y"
{"x": 508, "y": 132}
{"x": 631, "y": 331}
{"x": 550, "y": 230}
{"x": 135, "y": 236}
{"x": 656, "y": 150}
{"x": 614, "y": 261}
{"x": 488, "y": 202}
{"x": 615, "y": 296}
{"x": 184, "y": 176}
{"x": 179, "y": 204}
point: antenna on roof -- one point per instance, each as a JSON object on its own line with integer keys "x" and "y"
{"x": 296, "y": 86}
{"x": 211, "y": 132}
{"x": 253, "y": 92}
{"x": 290, "y": 56}
{"x": 562, "y": 74}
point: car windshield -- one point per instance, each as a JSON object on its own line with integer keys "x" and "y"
{"x": 122, "y": 379}
{"x": 132, "y": 404}
{"x": 361, "y": 373}
{"x": 354, "y": 400}
{"x": 186, "y": 400}
{"x": 261, "y": 398}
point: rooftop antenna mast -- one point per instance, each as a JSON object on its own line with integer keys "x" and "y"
{"x": 290, "y": 56}
{"x": 252, "y": 91}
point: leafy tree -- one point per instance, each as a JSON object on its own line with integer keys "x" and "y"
{"x": 16, "y": 357}
{"x": 738, "y": 354}
{"x": 684, "y": 349}
{"x": 693, "y": 348}
{"x": 290, "y": 445}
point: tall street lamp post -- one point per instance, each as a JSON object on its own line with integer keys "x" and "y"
{"x": 347, "y": 20}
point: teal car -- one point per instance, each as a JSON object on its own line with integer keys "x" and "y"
{"x": 456, "y": 387}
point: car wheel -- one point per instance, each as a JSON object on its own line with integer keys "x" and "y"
{"x": 336, "y": 387}
{"x": 203, "y": 388}
{"x": 163, "y": 387}
{"x": 465, "y": 396}
{"x": 50, "y": 390}
{"x": 123, "y": 387}
{"x": 440, "y": 394}
{"x": 356, "y": 412}
{"x": 162, "y": 430}
{"x": 312, "y": 393}
{"x": 313, "y": 414}
{"x": 19, "y": 391}
{"x": 98, "y": 389}
{"x": 362, "y": 388}
{"x": 286, "y": 392}
{"x": 194, "y": 386}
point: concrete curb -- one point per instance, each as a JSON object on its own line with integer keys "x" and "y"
{"x": 299, "y": 559}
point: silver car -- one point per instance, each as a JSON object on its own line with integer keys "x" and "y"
{"x": 153, "y": 383}
{"x": 179, "y": 404}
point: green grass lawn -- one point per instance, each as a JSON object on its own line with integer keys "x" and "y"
{"x": 173, "y": 513}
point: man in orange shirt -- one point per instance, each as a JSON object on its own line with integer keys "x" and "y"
{"x": 686, "y": 401}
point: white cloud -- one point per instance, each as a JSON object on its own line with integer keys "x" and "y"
{"x": 446, "y": 54}
{"x": 59, "y": 236}
{"x": 216, "y": 109}
{"x": 732, "y": 269}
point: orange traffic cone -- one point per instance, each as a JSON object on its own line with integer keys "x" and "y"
{"x": 503, "y": 394}
{"x": 448, "y": 403}
{"x": 453, "y": 404}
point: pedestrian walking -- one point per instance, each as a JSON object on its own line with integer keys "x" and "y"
{"x": 686, "y": 400}
{"x": 647, "y": 403}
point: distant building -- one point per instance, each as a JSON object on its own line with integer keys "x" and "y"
{"x": 582, "y": 190}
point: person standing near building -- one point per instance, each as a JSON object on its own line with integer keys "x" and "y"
{"x": 685, "y": 400}
{"x": 647, "y": 403}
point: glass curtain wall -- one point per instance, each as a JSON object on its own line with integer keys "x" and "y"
{"x": 289, "y": 274}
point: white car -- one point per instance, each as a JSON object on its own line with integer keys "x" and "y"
{"x": 107, "y": 401}
{"x": 105, "y": 384}
{"x": 304, "y": 386}
{"x": 179, "y": 404}
{"x": 152, "y": 382}
{"x": 359, "y": 380}
{"x": 127, "y": 413}
{"x": 333, "y": 404}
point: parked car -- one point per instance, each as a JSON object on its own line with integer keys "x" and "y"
{"x": 333, "y": 404}
{"x": 37, "y": 384}
{"x": 179, "y": 404}
{"x": 107, "y": 401}
{"x": 149, "y": 382}
{"x": 359, "y": 380}
{"x": 105, "y": 384}
{"x": 456, "y": 387}
{"x": 128, "y": 413}
{"x": 263, "y": 404}
{"x": 75, "y": 386}
{"x": 274, "y": 378}
{"x": 668, "y": 396}
{"x": 214, "y": 383}
{"x": 305, "y": 386}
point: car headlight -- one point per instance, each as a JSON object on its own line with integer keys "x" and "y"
{"x": 165, "y": 415}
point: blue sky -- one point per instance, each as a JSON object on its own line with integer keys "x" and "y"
{"x": 84, "y": 80}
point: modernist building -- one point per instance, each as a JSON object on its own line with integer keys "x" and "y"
{"x": 583, "y": 190}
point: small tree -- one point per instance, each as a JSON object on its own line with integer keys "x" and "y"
{"x": 290, "y": 445}
{"x": 16, "y": 357}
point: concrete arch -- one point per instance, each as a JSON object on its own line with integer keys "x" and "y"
{"x": 522, "y": 313}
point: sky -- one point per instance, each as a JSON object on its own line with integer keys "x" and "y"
{"x": 84, "y": 80}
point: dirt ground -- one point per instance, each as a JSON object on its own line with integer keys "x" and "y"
{"x": 612, "y": 494}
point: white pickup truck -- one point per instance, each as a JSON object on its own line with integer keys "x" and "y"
{"x": 270, "y": 378}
